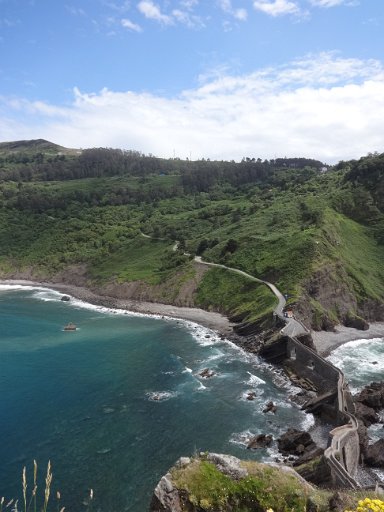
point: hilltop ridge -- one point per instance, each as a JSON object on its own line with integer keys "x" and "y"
{"x": 34, "y": 145}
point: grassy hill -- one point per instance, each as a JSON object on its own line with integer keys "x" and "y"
{"x": 318, "y": 236}
{"x": 33, "y": 146}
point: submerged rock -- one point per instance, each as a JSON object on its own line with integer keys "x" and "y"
{"x": 372, "y": 396}
{"x": 259, "y": 441}
{"x": 270, "y": 407}
{"x": 374, "y": 455}
{"x": 295, "y": 442}
{"x": 207, "y": 373}
{"x": 367, "y": 415}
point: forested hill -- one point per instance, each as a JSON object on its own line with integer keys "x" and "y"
{"x": 80, "y": 216}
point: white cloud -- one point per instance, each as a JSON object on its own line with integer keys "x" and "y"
{"x": 320, "y": 106}
{"x": 332, "y": 3}
{"x": 226, "y": 5}
{"x": 187, "y": 18}
{"x": 240, "y": 14}
{"x": 75, "y": 11}
{"x": 189, "y": 4}
{"x": 276, "y": 7}
{"x": 152, "y": 11}
{"x": 126, "y": 23}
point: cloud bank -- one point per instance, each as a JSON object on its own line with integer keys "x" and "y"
{"x": 322, "y": 106}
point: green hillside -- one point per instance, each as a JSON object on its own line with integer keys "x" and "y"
{"x": 319, "y": 236}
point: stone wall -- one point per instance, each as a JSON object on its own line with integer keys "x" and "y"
{"x": 343, "y": 452}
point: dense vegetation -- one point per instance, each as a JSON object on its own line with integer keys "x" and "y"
{"x": 315, "y": 234}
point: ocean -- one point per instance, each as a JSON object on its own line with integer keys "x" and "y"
{"x": 114, "y": 404}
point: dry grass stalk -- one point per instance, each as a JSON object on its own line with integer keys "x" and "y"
{"x": 48, "y": 481}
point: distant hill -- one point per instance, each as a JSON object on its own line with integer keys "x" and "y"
{"x": 80, "y": 218}
{"x": 34, "y": 146}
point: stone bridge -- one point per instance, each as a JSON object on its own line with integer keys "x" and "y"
{"x": 343, "y": 452}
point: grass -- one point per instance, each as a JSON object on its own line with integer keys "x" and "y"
{"x": 265, "y": 487}
{"x": 235, "y": 295}
{"x": 141, "y": 259}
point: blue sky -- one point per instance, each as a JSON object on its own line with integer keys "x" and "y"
{"x": 199, "y": 78}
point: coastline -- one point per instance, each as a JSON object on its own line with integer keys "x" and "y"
{"x": 209, "y": 319}
{"x": 324, "y": 341}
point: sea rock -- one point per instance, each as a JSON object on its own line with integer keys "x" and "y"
{"x": 356, "y": 322}
{"x": 374, "y": 455}
{"x": 295, "y": 442}
{"x": 251, "y": 395}
{"x": 367, "y": 415}
{"x": 207, "y": 373}
{"x": 270, "y": 407}
{"x": 259, "y": 441}
{"x": 372, "y": 396}
{"x": 65, "y": 298}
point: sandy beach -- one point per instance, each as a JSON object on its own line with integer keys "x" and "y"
{"x": 325, "y": 341}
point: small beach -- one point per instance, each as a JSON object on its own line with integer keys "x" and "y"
{"x": 326, "y": 341}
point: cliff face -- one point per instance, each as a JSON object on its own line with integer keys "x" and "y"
{"x": 223, "y": 482}
{"x": 178, "y": 290}
{"x": 328, "y": 299}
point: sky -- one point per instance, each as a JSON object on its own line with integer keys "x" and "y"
{"x": 218, "y": 79}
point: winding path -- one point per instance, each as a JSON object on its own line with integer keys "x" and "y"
{"x": 293, "y": 327}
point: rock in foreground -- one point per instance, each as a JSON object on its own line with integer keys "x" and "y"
{"x": 223, "y": 482}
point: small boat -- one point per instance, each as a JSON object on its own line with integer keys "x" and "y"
{"x": 70, "y": 327}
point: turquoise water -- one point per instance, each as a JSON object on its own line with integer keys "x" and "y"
{"x": 86, "y": 400}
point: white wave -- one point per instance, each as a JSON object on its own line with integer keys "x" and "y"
{"x": 47, "y": 295}
{"x": 244, "y": 396}
{"x": 376, "y": 432}
{"x": 205, "y": 337}
{"x": 379, "y": 473}
{"x": 361, "y": 361}
{"x": 254, "y": 380}
{"x": 187, "y": 370}
{"x": 241, "y": 438}
{"x": 217, "y": 355}
{"x": 80, "y": 304}
{"x": 160, "y": 396}
{"x": 307, "y": 422}
{"x": 201, "y": 387}
{"x": 18, "y": 287}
